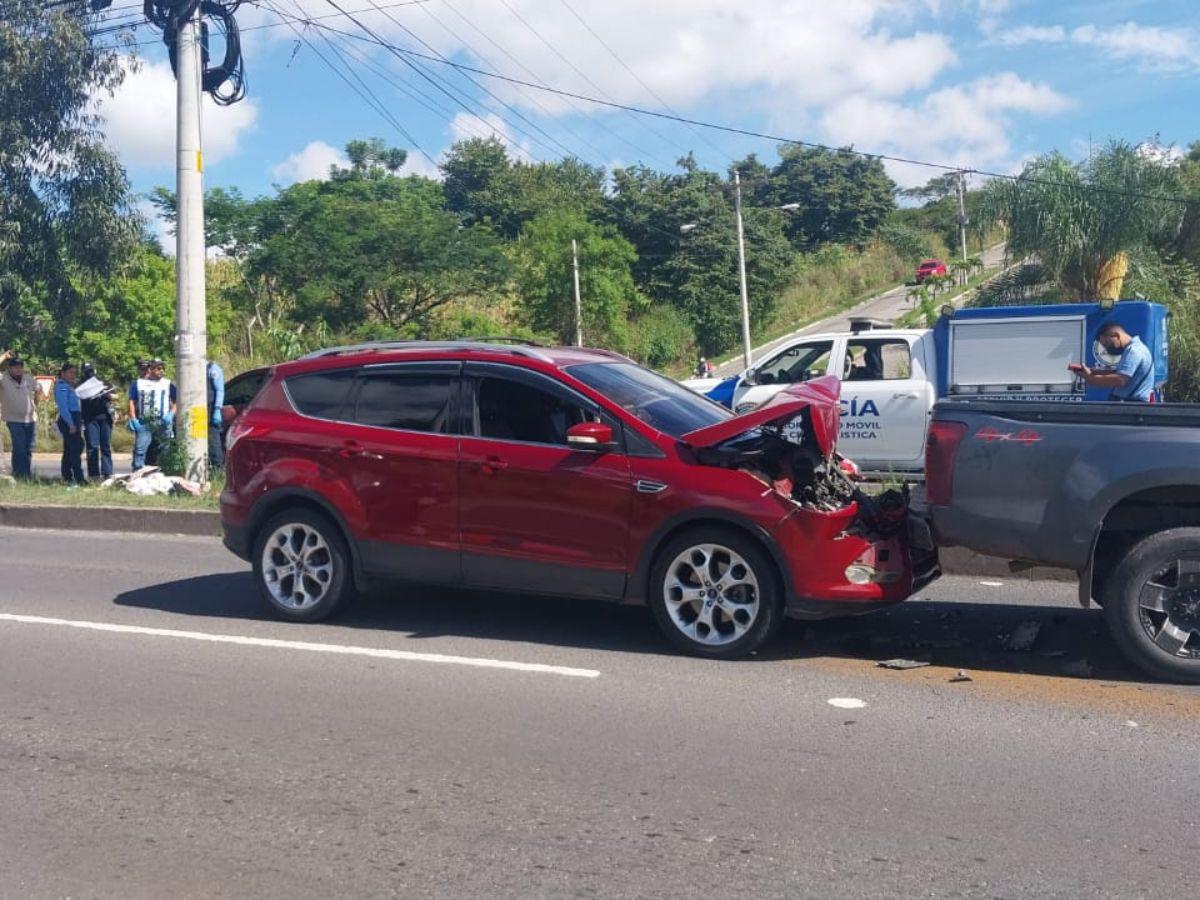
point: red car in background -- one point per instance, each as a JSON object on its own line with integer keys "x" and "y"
{"x": 556, "y": 471}
{"x": 930, "y": 267}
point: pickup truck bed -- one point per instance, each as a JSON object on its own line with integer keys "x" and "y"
{"x": 1110, "y": 490}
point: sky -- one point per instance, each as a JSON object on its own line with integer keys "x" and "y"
{"x": 983, "y": 84}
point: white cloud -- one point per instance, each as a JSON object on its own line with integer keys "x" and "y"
{"x": 688, "y": 51}
{"x": 140, "y": 119}
{"x": 310, "y": 164}
{"x": 1149, "y": 47}
{"x": 966, "y": 125}
{"x": 1031, "y": 34}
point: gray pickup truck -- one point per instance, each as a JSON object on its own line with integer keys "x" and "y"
{"x": 1110, "y": 490}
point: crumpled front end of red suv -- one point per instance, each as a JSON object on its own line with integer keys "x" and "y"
{"x": 846, "y": 550}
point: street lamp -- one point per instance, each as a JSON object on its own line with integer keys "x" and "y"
{"x": 741, "y": 244}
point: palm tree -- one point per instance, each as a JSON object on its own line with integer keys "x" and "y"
{"x": 1087, "y": 221}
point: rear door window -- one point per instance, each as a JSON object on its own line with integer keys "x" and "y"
{"x": 878, "y": 359}
{"x": 321, "y": 394}
{"x": 405, "y": 401}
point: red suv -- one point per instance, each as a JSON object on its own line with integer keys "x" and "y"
{"x": 557, "y": 471}
{"x": 929, "y": 268}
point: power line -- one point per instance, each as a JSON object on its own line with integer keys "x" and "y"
{"x": 528, "y": 71}
{"x": 282, "y": 21}
{"x": 403, "y": 55}
{"x": 653, "y": 93}
{"x": 366, "y": 96}
{"x": 370, "y": 37}
{"x": 748, "y": 132}
{"x": 532, "y": 99}
{"x": 537, "y": 34}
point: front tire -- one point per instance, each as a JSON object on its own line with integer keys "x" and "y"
{"x": 301, "y": 565}
{"x": 715, "y": 593}
{"x": 1152, "y": 605}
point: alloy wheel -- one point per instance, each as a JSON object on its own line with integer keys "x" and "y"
{"x": 1169, "y": 608}
{"x": 297, "y": 566}
{"x": 712, "y": 594}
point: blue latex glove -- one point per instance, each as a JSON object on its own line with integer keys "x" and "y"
{"x": 134, "y": 425}
{"x": 168, "y": 419}
{"x": 217, "y": 418}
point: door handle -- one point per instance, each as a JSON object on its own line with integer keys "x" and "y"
{"x": 903, "y": 395}
{"x": 351, "y": 449}
{"x": 493, "y": 464}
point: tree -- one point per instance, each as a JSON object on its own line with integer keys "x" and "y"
{"x": 64, "y": 202}
{"x": 127, "y": 317}
{"x": 696, "y": 270}
{"x": 844, "y": 196}
{"x": 470, "y": 168}
{"x": 1083, "y": 219}
{"x": 358, "y": 249}
{"x": 370, "y": 159}
{"x": 605, "y": 278}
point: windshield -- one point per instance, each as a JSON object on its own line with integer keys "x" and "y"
{"x": 658, "y": 401}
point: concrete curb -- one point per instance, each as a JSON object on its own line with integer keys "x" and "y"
{"x": 130, "y": 519}
{"x": 207, "y": 523}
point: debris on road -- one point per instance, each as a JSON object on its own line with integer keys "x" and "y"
{"x": 960, "y": 677}
{"x": 902, "y": 663}
{"x": 1022, "y": 637}
{"x": 847, "y": 702}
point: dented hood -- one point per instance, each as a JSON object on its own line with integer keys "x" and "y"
{"x": 819, "y": 396}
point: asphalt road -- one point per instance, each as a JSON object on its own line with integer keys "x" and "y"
{"x": 891, "y": 304}
{"x": 159, "y": 736}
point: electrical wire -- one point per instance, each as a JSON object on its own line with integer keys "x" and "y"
{"x": 550, "y": 141}
{"x": 748, "y": 132}
{"x": 365, "y": 94}
{"x": 574, "y": 68}
{"x": 721, "y": 153}
{"x": 524, "y": 93}
{"x": 699, "y": 123}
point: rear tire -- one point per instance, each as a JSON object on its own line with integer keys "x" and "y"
{"x": 716, "y": 593}
{"x": 301, "y": 565}
{"x": 1152, "y": 605}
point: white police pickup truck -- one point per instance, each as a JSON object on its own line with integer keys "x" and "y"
{"x": 888, "y": 389}
{"x": 891, "y": 378}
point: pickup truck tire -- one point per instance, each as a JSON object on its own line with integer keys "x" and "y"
{"x": 1152, "y": 604}
{"x": 715, "y": 592}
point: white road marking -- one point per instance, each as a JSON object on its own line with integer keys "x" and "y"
{"x": 847, "y": 702}
{"x": 992, "y": 583}
{"x": 348, "y": 650}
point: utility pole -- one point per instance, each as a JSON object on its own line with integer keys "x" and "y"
{"x": 191, "y": 330}
{"x": 578, "y": 302}
{"x": 962, "y": 221}
{"x": 741, "y": 241}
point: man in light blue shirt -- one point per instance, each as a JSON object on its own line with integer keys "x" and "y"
{"x": 70, "y": 425}
{"x": 1132, "y": 378}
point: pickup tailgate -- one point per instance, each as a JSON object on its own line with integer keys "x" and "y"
{"x": 1033, "y": 480}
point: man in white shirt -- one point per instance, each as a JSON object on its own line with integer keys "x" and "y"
{"x": 18, "y": 408}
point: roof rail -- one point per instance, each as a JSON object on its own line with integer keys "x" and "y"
{"x": 466, "y": 344}
{"x": 505, "y": 339}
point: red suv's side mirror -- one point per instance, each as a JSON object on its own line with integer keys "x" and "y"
{"x": 594, "y": 436}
